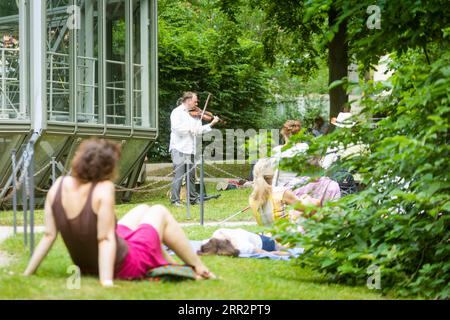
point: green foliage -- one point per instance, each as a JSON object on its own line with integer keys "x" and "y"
{"x": 8, "y": 7}
{"x": 203, "y": 47}
{"x": 400, "y": 222}
{"x": 298, "y": 30}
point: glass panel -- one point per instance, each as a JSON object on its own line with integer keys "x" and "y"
{"x": 116, "y": 112}
{"x": 131, "y": 150}
{"x": 48, "y": 146}
{"x": 10, "y": 107}
{"x": 137, "y": 68}
{"x": 137, "y": 95}
{"x": 87, "y": 63}
{"x": 58, "y": 60}
{"x": 8, "y": 142}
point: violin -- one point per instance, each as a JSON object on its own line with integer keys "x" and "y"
{"x": 198, "y": 113}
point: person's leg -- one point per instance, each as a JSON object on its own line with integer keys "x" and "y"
{"x": 273, "y": 247}
{"x": 193, "y": 194}
{"x": 173, "y": 236}
{"x": 180, "y": 168}
{"x": 133, "y": 218}
{"x": 167, "y": 256}
{"x": 250, "y": 175}
{"x": 268, "y": 244}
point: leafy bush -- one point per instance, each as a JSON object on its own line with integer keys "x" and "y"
{"x": 400, "y": 221}
{"x": 202, "y": 49}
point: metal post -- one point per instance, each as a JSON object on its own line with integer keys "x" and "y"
{"x": 53, "y": 169}
{"x": 145, "y": 62}
{"x": 188, "y": 200}
{"x": 3, "y": 87}
{"x": 24, "y": 205}
{"x": 31, "y": 195}
{"x": 13, "y": 164}
{"x": 201, "y": 189}
{"x": 51, "y": 88}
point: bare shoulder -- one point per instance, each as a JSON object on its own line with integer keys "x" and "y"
{"x": 52, "y": 191}
{"x": 103, "y": 195}
{"x": 104, "y": 188}
{"x": 106, "y": 185}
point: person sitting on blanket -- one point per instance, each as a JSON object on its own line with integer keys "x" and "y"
{"x": 232, "y": 242}
{"x": 81, "y": 207}
{"x": 269, "y": 203}
{"x": 285, "y": 178}
{"x": 318, "y": 188}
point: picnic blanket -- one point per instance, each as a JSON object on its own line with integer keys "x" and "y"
{"x": 171, "y": 272}
{"x": 295, "y": 252}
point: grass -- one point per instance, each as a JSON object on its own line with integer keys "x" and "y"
{"x": 229, "y": 202}
{"x": 239, "y": 279}
{"x": 232, "y": 171}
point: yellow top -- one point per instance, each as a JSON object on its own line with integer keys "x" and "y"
{"x": 272, "y": 210}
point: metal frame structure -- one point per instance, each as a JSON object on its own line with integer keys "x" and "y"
{"x": 63, "y": 82}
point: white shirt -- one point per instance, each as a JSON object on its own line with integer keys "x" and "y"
{"x": 184, "y": 129}
{"x": 333, "y": 154}
{"x": 244, "y": 241}
{"x": 286, "y": 178}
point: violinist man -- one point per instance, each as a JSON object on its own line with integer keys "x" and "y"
{"x": 184, "y": 130}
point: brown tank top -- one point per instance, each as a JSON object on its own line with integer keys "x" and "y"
{"x": 80, "y": 235}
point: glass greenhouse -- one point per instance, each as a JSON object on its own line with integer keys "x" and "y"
{"x": 73, "y": 69}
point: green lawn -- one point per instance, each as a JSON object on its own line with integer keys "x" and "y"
{"x": 232, "y": 171}
{"x": 239, "y": 278}
{"x": 229, "y": 202}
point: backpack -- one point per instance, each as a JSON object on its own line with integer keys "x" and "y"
{"x": 346, "y": 181}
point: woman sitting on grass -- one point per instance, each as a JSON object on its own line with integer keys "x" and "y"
{"x": 269, "y": 203}
{"x": 81, "y": 207}
{"x": 232, "y": 242}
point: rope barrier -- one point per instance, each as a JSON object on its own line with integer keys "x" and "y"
{"x": 224, "y": 171}
{"x": 140, "y": 189}
{"x": 41, "y": 170}
{"x": 147, "y": 185}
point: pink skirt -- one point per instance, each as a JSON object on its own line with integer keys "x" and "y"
{"x": 144, "y": 251}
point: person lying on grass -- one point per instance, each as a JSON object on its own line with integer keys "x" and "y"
{"x": 81, "y": 207}
{"x": 269, "y": 203}
{"x": 232, "y": 242}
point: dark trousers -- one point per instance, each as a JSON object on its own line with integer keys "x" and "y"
{"x": 180, "y": 161}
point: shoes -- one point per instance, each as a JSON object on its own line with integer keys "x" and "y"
{"x": 205, "y": 198}
{"x": 213, "y": 196}
{"x": 177, "y": 204}
{"x": 222, "y": 185}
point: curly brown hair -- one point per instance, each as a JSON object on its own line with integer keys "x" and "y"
{"x": 96, "y": 160}
{"x": 291, "y": 127}
{"x": 219, "y": 247}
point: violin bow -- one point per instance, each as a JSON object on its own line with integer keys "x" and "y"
{"x": 204, "y": 108}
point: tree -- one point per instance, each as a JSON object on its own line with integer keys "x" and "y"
{"x": 305, "y": 30}
{"x": 8, "y": 7}
{"x": 400, "y": 222}
{"x": 204, "y": 48}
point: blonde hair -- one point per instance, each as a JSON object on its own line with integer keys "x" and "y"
{"x": 261, "y": 189}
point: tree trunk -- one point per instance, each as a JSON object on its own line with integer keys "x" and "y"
{"x": 337, "y": 65}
